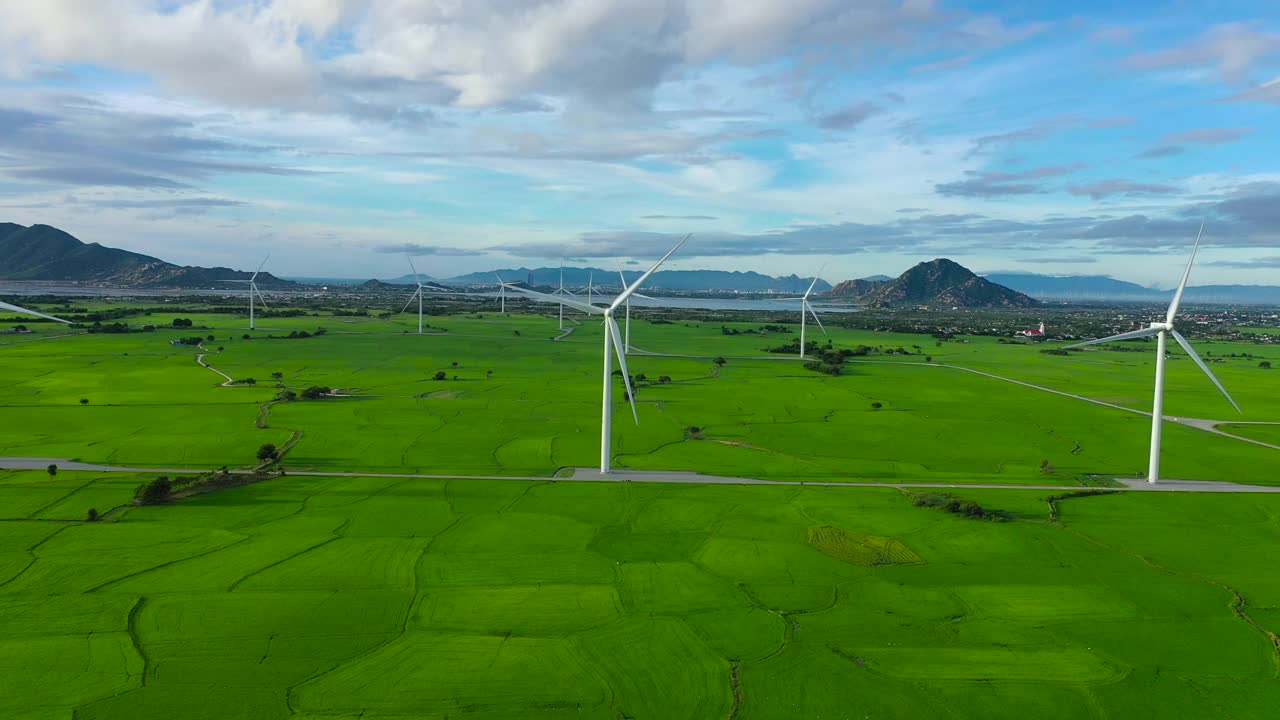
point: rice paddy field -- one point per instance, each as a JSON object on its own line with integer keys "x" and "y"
{"x": 313, "y": 597}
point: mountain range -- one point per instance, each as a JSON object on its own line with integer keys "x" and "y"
{"x": 661, "y": 280}
{"x": 1103, "y": 288}
{"x": 937, "y": 283}
{"x": 41, "y": 252}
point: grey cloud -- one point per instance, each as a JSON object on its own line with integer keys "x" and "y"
{"x": 1066, "y": 260}
{"x": 417, "y": 249}
{"x": 1107, "y": 188}
{"x": 1161, "y": 151}
{"x": 848, "y": 117}
{"x": 678, "y": 217}
{"x": 93, "y": 176}
{"x": 1271, "y": 261}
{"x": 1049, "y": 126}
{"x": 1206, "y": 136}
{"x": 1232, "y": 49}
{"x": 998, "y": 184}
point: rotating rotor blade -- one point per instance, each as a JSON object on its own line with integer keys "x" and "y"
{"x": 1187, "y": 347}
{"x": 260, "y": 266}
{"x": 809, "y": 307}
{"x": 1182, "y": 286}
{"x": 412, "y": 297}
{"x": 628, "y": 291}
{"x": 253, "y": 288}
{"x": 1144, "y": 332}
{"x": 417, "y": 278}
{"x": 559, "y": 299}
{"x": 24, "y": 311}
{"x": 815, "y": 281}
{"x": 622, "y": 364}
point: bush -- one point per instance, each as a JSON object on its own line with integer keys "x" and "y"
{"x": 316, "y": 392}
{"x": 876, "y": 405}
{"x": 267, "y": 452}
{"x": 664, "y": 379}
{"x": 156, "y": 491}
{"x": 958, "y": 506}
{"x": 823, "y": 367}
{"x": 52, "y": 470}
{"x": 246, "y": 381}
{"x": 1265, "y": 364}
{"x": 440, "y": 375}
{"x": 92, "y": 515}
{"x": 84, "y": 401}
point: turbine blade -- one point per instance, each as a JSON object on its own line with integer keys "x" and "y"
{"x": 15, "y": 308}
{"x": 416, "y": 277}
{"x": 815, "y": 281}
{"x": 412, "y": 297}
{"x": 260, "y": 266}
{"x": 626, "y": 293}
{"x": 559, "y": 299}
{"x": 815, "y": 317}
{"x": 622, "y": 277}
{"x": 1187, "y": 347}
{"x": 1177, "y": 296}
{"x": 261, "y": 299}
{"x": 622, "y": 364}
{"x": 1144, "y": 332}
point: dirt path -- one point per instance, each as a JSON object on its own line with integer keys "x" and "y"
{"x": 207, "y": 366}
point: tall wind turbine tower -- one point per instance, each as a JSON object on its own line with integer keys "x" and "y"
{"x": 612, "y": 347}
{"x": 1161, "y": 331}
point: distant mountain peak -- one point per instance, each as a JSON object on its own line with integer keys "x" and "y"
{"x": 940, "y": 282}
{"x": 43, "y": 252}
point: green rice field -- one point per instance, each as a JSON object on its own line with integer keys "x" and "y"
{"x": 504, "y": 589}
{"x": 354, "y": 598}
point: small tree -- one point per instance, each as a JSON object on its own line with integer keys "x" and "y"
{"x": 92, "y": 515}
{"x": 664, "y": 379}
{"x": 1046, "y": 467}
{"x": 1265, "y": 364}
{"x": 315, "y": 392}
{"x": 719, "y": 361}
{"x": 267, "y": 452}
{"x": 84, "y": 401}
{"x": 876, "y": 405}
{"x": 928, "y": 358}
{"x": 155, "y": 491}
{"x": 277, "y": 376}
{"x": 52, "y": 470}
{"x": 440, "y": 375}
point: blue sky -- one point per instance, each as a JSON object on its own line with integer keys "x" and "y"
{"x": 1082, "y": 138}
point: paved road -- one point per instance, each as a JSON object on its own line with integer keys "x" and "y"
{"x": 670, "y": 477}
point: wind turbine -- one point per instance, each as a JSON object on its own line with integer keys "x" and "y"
{"x": 804, "y": 305}
{"x": 253, "y": 288}
{"x": 24, "y": 311}
{"x": 562, "y": 290}
{"x": 502, "y": 294}
{"x": 1161, "y": 331}
{"x": 612, "y": 346}
{"x": 416, "y": 294}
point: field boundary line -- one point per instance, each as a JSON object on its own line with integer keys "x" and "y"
{"x": 166, "y": 564}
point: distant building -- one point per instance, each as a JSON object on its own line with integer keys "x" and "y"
{"x": 1037, "y": 333}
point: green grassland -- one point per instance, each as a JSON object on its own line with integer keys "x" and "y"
{"x": 385, "y": 599}
{"x": 515, "y": 404}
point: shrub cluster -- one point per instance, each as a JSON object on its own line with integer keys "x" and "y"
{"x": 958, "y": 506}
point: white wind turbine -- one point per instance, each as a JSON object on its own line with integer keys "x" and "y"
{"x": 502, "y": 294}
{"x": 563, "y": 291}
{"x": 1161, "y": 331}
{"x": 805, "y": 306}
{"x": 24, "y": 311}
{"x": 612, "y": 346}
{"x": 253, "y": 288}
{"x": 416, "y": 294}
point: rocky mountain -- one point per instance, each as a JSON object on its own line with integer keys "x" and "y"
{"x": 661, "y": 280}
{"x": 945, "y": 283}
{"x": 856, "y": 289}
{"x": 41, "y": 252}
